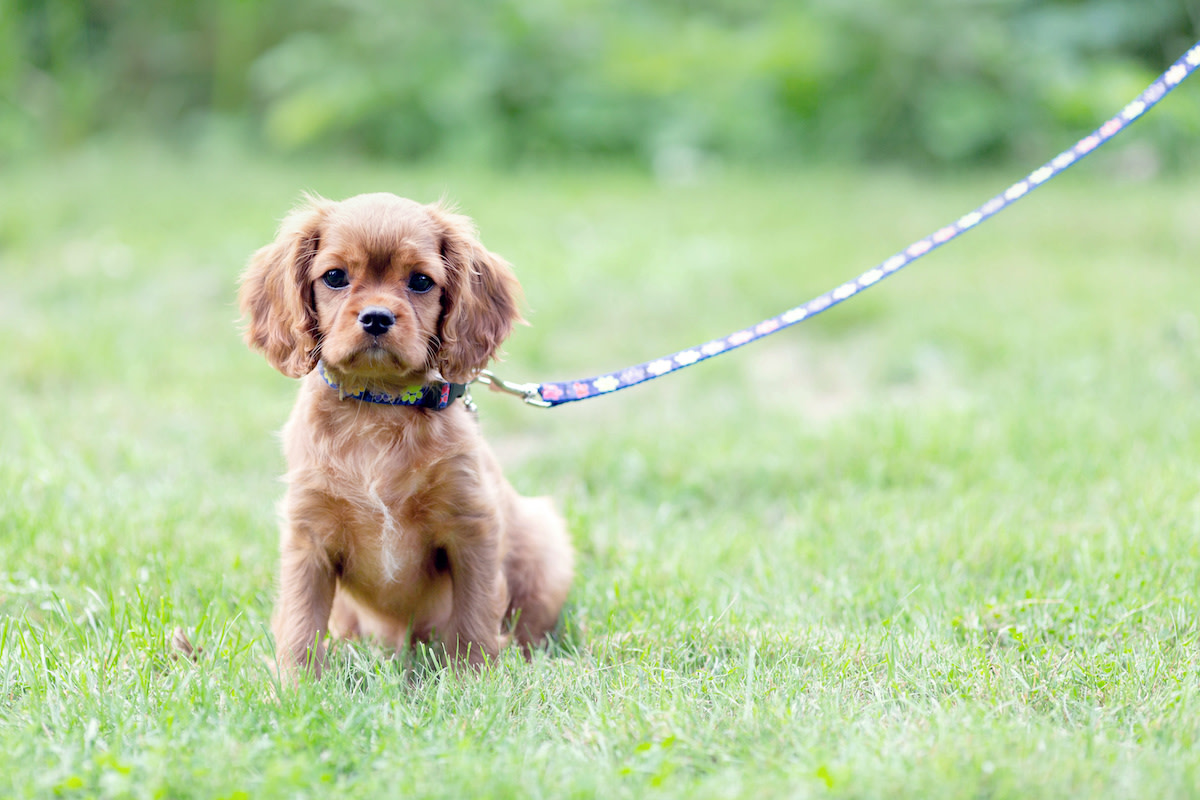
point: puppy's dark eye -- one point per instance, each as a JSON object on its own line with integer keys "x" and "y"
{"x": 420, "y": 283}
{"x": 336, "y": 279}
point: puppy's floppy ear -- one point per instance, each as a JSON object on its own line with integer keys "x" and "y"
{"x": 276, "y": 294}
{"x": 479, "y": 302}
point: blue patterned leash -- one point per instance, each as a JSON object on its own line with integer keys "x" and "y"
{"x": 547, "y": 395}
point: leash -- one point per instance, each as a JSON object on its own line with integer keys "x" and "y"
{"x": 547, "y": 395}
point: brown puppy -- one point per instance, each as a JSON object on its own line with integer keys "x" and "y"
{"x": 397, "y": 523}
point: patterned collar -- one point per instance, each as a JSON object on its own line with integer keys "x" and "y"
{"x": 435, "y": 396}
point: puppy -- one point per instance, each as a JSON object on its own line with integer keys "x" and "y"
{"x": 397, "y": 522}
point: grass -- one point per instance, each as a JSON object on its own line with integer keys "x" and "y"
{"x": 943, "y": 541}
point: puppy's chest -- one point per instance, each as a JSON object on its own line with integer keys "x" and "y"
{"x": 388, "y": 533}
{"x": 385, "y": 494}
{"x": 386, "y": 513}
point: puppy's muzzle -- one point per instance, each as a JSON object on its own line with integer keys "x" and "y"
{"x": 376, "y": 320}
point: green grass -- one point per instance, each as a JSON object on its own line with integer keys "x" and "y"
{"x": 943, "y": 541}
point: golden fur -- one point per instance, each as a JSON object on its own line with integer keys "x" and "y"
{"x": 397, "y": 522}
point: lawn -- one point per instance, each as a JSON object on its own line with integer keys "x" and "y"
{"x": 942, "y": 541}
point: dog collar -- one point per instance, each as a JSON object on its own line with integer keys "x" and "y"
{"x": 433, "y": 395}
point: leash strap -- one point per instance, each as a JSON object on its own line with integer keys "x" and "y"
{"x": 553, "y": 394}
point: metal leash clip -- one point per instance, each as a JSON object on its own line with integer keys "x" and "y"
{"x": 529, "y": 392}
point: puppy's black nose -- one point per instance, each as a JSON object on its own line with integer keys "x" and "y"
{"x": 376, "y": 320}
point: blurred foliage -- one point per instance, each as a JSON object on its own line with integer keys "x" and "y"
{"x": 670, "y": 83}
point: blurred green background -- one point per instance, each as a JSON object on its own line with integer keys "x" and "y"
{"x": 670, "y": 84}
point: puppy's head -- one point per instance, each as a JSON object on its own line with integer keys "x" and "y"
{"x": 384, "y": 290}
